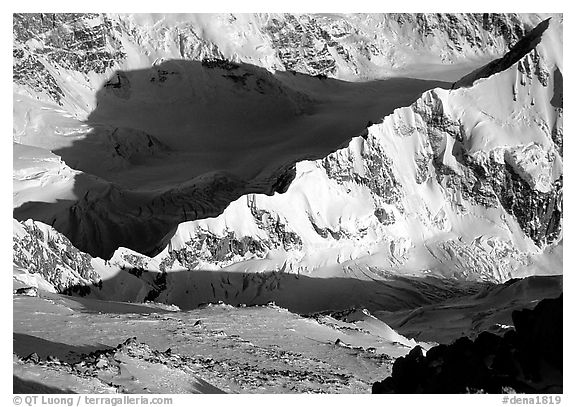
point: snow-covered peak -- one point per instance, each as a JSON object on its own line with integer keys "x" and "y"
{"x": 194, "y": 122}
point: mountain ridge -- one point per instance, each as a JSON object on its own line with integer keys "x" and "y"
{"x": 441, "y": 133}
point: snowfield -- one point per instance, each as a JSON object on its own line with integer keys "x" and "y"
{"x": 221, "y": 348}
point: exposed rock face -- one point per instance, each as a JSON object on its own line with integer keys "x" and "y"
{"x": 325, "y": 45}
{"x": 45, "y": 43}
{"x": 39, "y": 249}
{"x": 376, "y": 173}
{"x": 526, "y": 360}
{"x": 72, "y": 40}
{"x": 505, "y": 176}
{"x": 49, "y": 45}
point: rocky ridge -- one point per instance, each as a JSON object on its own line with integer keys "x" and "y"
{"x": 521, "y": 180}
{"x": 504, "y": 180}
{"x": 39, "y": 250}
{"x": 89, "y": 46}
{"x": 527, "y": 359}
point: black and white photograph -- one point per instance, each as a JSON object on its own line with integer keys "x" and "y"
{"x": 286, "y": 203}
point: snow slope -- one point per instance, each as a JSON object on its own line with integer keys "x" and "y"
{"x": 489, "y": 310}
{"x": 463, "y": 183}
{"x": 248, "y": 350}
{"x": 61, "y": 60}
{"x": 110, "y": 347}
{"x": 186, "y": 148}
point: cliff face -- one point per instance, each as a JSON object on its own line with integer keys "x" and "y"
{"x": 62, "y": 56}
{"x": 44, "y": 258}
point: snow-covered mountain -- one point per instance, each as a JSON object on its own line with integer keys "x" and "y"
{"x": 424, "y": 188}
{"x": 65, "y": 57}
{"x": 286, "y": 202}
{"x": 325, "y": 146}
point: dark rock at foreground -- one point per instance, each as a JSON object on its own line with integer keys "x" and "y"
{"x": 525, "y": 360}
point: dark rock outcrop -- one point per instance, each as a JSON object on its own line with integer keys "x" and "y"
{"x": 27, "y": 291}
{"x": 525, "y": 360}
